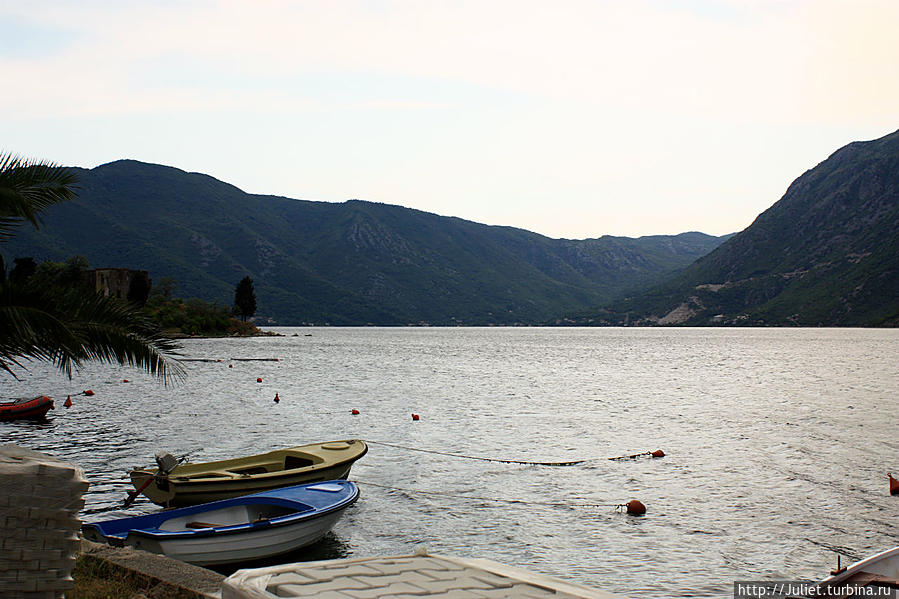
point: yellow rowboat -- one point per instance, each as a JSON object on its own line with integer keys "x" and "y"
{"x": 192, "y": 484}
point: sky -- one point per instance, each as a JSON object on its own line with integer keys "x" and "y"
{"x": 573, "y": 119}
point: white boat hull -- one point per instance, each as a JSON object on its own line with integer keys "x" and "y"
{"x": 240, "y": 547}
{"x": 879, "y": 570}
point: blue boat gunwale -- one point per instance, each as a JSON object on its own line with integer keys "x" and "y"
{"x": 122, "y": 529}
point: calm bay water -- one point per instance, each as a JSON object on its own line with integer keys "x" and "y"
{"x": 778, "y": 442}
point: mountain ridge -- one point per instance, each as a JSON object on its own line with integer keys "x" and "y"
{"x": 825, "y": 254}
{"x": 354, "y": 262}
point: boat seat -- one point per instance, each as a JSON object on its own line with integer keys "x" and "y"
{"x": 202, "y": 525}
{"x": 209, "y": 474}
{"x": 261, "y": 469}
{"x": 291, "y": 462}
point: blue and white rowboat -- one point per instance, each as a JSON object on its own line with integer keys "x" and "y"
{"x": 241, "y": 529}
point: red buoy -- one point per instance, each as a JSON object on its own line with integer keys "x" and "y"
{"x": 125, "y": 381}
{"x": 277, "y": 399}
{"x": 355, "y": 412}
{"x": 658, "y": 453}
{"x": 68, "y": 402}
{"x": 415, "y": 417}
{"x": 88, "y": 392}
{"x": 230, "y": 365}
{"x": 259, "y": 380}
{"x": 635, "y": 507}
{"x": 894, "y": 485}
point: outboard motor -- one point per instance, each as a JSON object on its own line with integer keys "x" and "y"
{"x": 166, "y": 462}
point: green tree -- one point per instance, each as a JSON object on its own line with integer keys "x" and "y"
{"x": 245, "y": 299}
{"x": 63, "y": 325}
{"x": 23, "y": 269}
{"x": 165, "y": 288}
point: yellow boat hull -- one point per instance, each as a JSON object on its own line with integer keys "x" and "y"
{"x": 193, "y": 484}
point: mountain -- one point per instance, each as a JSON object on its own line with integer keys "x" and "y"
{"x": 826, "y": 254}
{"x": 349, "y": 263}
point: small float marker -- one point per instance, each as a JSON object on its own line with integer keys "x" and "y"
{"x": 277, "y": 399}
{"x": 230, "y": 365}
{"x": 415, "y": 417}
{"x": 125, "y": 381}
{"x": 68, "y": 402}
{"x": 88, "y": 392}
{"x": 658, "y": 453}
{"x": 634, "y": 507}
{"x": 355, "y": 412}
{"x": 259, "y": 380}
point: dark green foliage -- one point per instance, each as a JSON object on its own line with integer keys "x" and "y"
{"x": 826, "y": 254}
{"x": 70, "y": 274}
{"x": 351, "y": 263}
{"x": 23, "y": 269}
{"x": 245, "y": 299}
{"x": 67, "y": 327}
{"x": 58, "y": 321}
{"x": 166, "y": 288}
{"x": 191, "y": 316}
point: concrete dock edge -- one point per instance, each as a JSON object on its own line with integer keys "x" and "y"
{"x": 163, "y": 577}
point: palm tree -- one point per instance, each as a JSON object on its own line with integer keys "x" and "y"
{"x": 62, "y": 326}
{"x": 27, "y": 188}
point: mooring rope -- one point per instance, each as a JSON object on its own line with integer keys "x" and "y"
{"x": 655, "y": 454}
{"x": 229, "y": 359}
{"x": 471, "y": 457}
{"x": 836, "y": 549}
{"x": 254, "y": 359}
{"x": 493, "y": 499}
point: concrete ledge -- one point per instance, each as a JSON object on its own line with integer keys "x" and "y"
{"x": 164, "y": 578}
{"x": 402, "y": 577}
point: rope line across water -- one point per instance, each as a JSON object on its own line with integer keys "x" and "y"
{"x": 850, "y": 553}
{"x": 470, "y": 457}
{"x": 493, "y": 499}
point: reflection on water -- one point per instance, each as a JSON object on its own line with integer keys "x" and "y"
{"x": 330, "y": 547}
{"x": 777, "y": 442}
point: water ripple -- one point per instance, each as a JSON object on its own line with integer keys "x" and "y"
{"x": 777, "y": 442}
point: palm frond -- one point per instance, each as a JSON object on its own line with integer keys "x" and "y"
{"x": 68, "y": 328}
{"x": 28, "y": 187}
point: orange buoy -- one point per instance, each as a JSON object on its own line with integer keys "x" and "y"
{"x": 635, "y": 507}
{"x": 68, "y": 402}
{"x": 658, "y": 453}
{"x": 355, "y": 412}
{"x": 259, "y": 380}
{"x": 415, "y": 417}
{"x": 894, "y": 485}
{"x": 277, "y": 399}
{"x": 88, "y": 392}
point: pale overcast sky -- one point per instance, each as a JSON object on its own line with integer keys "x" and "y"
{"x": 572, "y": 118}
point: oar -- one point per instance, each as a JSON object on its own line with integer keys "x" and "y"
{"x": 132, "y": 495}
